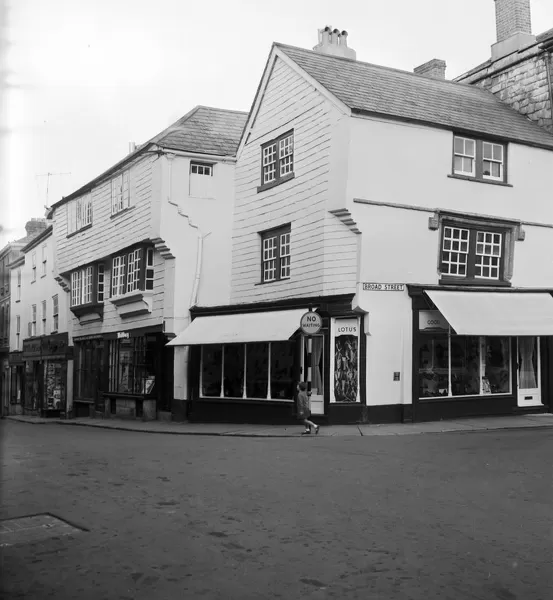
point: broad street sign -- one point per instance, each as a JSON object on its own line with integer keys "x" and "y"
{"x": 311, "y": 323}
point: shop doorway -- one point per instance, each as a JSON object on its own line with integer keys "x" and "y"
{"x": 317, "y": 373}
{"x": 528, "y": 371}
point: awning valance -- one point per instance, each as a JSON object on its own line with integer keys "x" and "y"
{"x": 273, "y": 326}
{"x": 496, "y": 313}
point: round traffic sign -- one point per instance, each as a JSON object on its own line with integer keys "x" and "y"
{"x": 311, "y": 323}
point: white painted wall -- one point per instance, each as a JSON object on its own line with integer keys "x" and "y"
{"x": 34, "y": 292}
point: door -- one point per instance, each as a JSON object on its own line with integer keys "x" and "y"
{"x": 528, "y": 371}
{"x": 317, "y": 373}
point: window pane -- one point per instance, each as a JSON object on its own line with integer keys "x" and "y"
{"x": 282, "y": 370}
{"x": 211, "y": 370}
{"x": 234, "y": 371}
{"x": 257, "y": 367}
{"x": 498, "y": 152}
{"x": 487, "y": 150}
{"x": 459, "y": 145}
{"x": 528, "y": 362}
{"x": 469, "y": 147}
{"x": 433, "y": 366}
{"x": 465, "y": 365}
{"x": 497, "y": 375}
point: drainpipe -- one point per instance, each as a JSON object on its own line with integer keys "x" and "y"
{"x": 549, "y": 84}
{"x": 199, "y": 254}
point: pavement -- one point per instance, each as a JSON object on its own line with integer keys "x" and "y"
{"x": 249, "y": 430}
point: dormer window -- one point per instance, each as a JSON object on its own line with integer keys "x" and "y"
{"x": 479, "y": 159}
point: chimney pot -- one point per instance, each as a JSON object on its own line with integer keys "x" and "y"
{"x": 334, "y": 43}
{"x": 434, "y": 69}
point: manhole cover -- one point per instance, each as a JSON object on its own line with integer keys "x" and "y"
{"x": 34, "y": 528}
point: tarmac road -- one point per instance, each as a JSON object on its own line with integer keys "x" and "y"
{"x": 436, "y": 516}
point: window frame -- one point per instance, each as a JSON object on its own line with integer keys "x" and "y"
{"x": 470, "y": 277}
{"x": 83, "y": 278}
{"x": 44, "y": 260}
{"x": 43, "y": 309}
{"x": 478, "y": 160}
{"x": 201, "y": 165}
{"x": 125, "y": 286}
{"x": 120, "y": 192}
{"x": 55, "y": 313}
{"x": 279, "y": 162}
{"x": 79, "y": 214}
{"x": 17, "y": 331}
{"x": 33, "y": 320}
{"x": 277, "y": 234}
{"x": 18, "y": 294}
{"x": 33, "y": 266}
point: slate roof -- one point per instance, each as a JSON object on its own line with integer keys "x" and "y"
{"x": 382, "y": 91}
{"x": 203, "y": 130}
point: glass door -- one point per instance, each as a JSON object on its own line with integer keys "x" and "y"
{"x": 317, "y": 373}
{"x": 528, "y": 369}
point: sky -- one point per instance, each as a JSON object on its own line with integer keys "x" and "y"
{"x": 86, "y": 77}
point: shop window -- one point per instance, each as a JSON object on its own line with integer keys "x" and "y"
{"x": 454, "y": 365}
{"x": 257, "y": 370}
{"x": 132, "y": 271}
{"x": 132, "y": 365}
{"x": 275, "y": 254}
{"x": 88, "y": 365}
{"x": 472, "y": 254}
{"x": 261, "y": 370}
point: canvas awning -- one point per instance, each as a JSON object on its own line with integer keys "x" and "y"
{"x": 496, "y": 313}
{"x": 273, "y": 326}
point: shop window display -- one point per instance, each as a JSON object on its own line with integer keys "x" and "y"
{"x": 451, "y": 366}
{"x": 259, "y": 370}
{"x": 132, "y": 365}
{"x": 345, "y": 368}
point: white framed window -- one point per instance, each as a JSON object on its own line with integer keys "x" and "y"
{"x": 455, "y": 251}
{"x": 33, "y": 320}
{"x": 133, "y": 270}
{"x": 118, "y": 276}
{"x": 275, "y": 254}
{"x": 17, "y": 332}
{"x": 33, "y": 266}
{"x": 101, "y": 283}
{"x": 479, "y": 159}
{"x": 82, "y": 286}
{"x": 44, "y": 317}
{"x": 55, "y": 313}
{"x": 201, "y": 169}
{"x": 44, "y": 259}
{"x": 277, "y": 160}
{"x": 149, "y": 276}
{"x": 120, "y": 192}
{"x": 79, "y": 213}
{"x": 464, "y": 156}
{"x": 488, "y": 254}
{"x": 285, "y": 255}
{"x": 492, "y": 167}
{"x": 18, "y": 292}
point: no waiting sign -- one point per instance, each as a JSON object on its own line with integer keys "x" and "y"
{"x": 311, "y": 323}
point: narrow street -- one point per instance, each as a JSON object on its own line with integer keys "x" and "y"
{"x": 436, "y": 516}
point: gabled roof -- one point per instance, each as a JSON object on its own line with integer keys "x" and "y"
{"x": 382, "y": 91}
{"x": 204, "y": 130}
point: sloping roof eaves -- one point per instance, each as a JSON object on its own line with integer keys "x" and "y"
{"x": 37, "y": 239}
{"x": 203, "y": 130}
{"x": 391, "y": 93}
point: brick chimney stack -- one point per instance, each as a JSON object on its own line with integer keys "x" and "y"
{"x": 334, "y": 43}
{"x": 513, "y": 24}
{"x": 35, "y": 226}
{"x": 434, "y": 68}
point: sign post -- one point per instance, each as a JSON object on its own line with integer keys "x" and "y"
{"x": 310, "y": 324}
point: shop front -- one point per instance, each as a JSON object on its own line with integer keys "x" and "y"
{"x": 17, "y": 383}
{"x": 246, "y": 362}
{"x": 125, "y": 373}
{"x": 45, "y": 375}
{"x": 481, "y": 353}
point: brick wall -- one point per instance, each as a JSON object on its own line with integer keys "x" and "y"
{"x": 512, "y": 16}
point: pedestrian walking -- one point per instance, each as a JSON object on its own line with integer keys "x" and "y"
{"x": 304, "y": 409}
